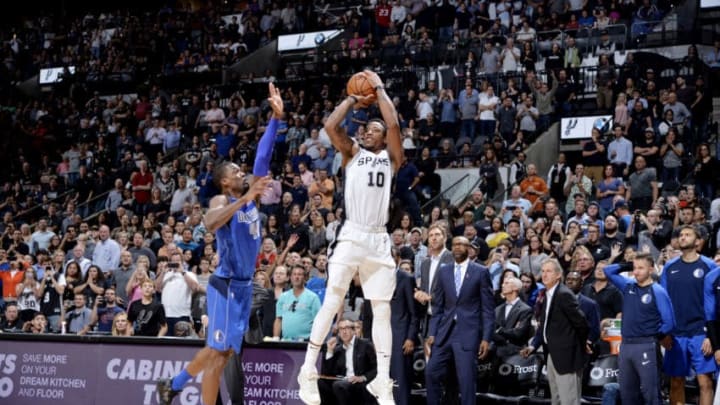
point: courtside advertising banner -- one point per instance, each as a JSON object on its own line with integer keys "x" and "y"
{"x": 36, "y": 373}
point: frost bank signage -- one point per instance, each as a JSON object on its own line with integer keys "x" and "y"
{"x": 33, "y": 373}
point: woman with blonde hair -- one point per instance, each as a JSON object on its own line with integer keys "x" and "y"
{"x": 133, "y": 289}
{"x": 143, "y": 260}
{"x": 583, "y": 262}
{"x": 621, "y": 111}
{"x": 28, "y": 293}
{"x": 121, "y": 326}
{"x": 26, "y": 234}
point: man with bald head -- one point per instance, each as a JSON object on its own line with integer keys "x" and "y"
{"x": 78, "y": 255}
{"x": 642, "y": 188}
{"x": 516, "y": 200}
{"x": 106, "y": 254}
{"x": 462, "y": 323}
{"x": 533, "y": 187}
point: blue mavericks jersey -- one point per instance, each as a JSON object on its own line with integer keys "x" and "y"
{"x": 238, "y": 243}
{"x": 684, "y": 283}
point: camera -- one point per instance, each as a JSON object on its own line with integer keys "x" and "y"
{"x": 173, "y": 266}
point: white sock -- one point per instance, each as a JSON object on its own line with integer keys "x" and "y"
{"x": 321, "y": 325}
{"x": 382, "y": 337}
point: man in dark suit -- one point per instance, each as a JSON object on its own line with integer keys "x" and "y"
{"x": 461, "y": 324}
{"x": 348, "y": 363}
{"x": 563, "y": 333}
{"x": 512, "y": 321}
{"x": 404, "y": 323}
{"x": 436, "y": 257}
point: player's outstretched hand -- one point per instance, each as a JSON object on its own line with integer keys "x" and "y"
{"x": 258, "y": 187}
{"x": 275, "y": 100}
{"x": 373, "y": 78}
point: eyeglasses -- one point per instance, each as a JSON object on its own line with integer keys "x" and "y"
{"x": 293, "y": 306}
{"x": 347, "y": 328}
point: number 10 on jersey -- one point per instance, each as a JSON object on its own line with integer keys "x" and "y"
{"x": 376, "y": 179}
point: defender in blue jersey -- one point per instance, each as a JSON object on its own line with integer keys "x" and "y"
{"x": 235, "y": 219}
{"x": 688, "y": 345}
{"x": 647, "y": 318}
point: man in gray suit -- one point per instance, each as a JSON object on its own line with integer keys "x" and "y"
{"x": 512, "y": 321}
{"x": 437, "y": 256}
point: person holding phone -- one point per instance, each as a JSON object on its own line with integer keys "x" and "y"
{"x": 51, "y": 302}
{"x": 177, "y": 288}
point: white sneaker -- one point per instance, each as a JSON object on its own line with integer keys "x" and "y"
{"x": 307, "y": 379}
{"x": 382, "y": 390}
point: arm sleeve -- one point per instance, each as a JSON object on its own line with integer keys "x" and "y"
{"x": 437, "y": 303}
{"x": 487, "y": 301}
{"x": 709, "y": 295}
{"x": 593, "y": 319}
{"x": 663, "y": 277}
{"x": 612, "y": 272}
{"x": 665, "y": 308}
{"x": 265, "y": 149}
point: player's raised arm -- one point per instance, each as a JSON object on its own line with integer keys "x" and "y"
{"x": 338, "y": 135}
{"x": 267, "y": 141}
{"x": 393, "y": 138}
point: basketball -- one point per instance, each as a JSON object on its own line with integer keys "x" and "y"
{"x": 358, "y": 85}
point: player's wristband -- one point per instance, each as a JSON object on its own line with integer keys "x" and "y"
{"x": 354, "y": 99}
{"x": 379, "y": 87}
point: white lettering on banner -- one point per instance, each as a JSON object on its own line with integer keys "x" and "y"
{"x": 37, "y": 376}
{"x": 32, "y": 358}
{"x": 259, "y": 382}
{"x": 271, "y": 393}
{"x": 6, "y": 387}
{"x": 258, "y": 379}
{"x": 7, "y": 366}
{"x": 269, "y": 368}
{"x": 597, "y": 373}
{"x": 189, "y": 396}
{"x": 144, "y": 369}
{"x": 59, "y": 382}
{"x": 49, "y": 393}
{"x": 7, "y": 363}
{"x": 526, "y": 369}
{"x": 55, "y": 358}
{"x": 35, "y": 369}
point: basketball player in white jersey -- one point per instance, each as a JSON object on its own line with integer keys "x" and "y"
{"x": 362, "y": 244}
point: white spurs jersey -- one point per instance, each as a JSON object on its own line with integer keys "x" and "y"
{"x": 368, "y": 185}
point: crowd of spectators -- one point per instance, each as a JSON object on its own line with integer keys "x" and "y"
{"x": 102, "y": 202}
